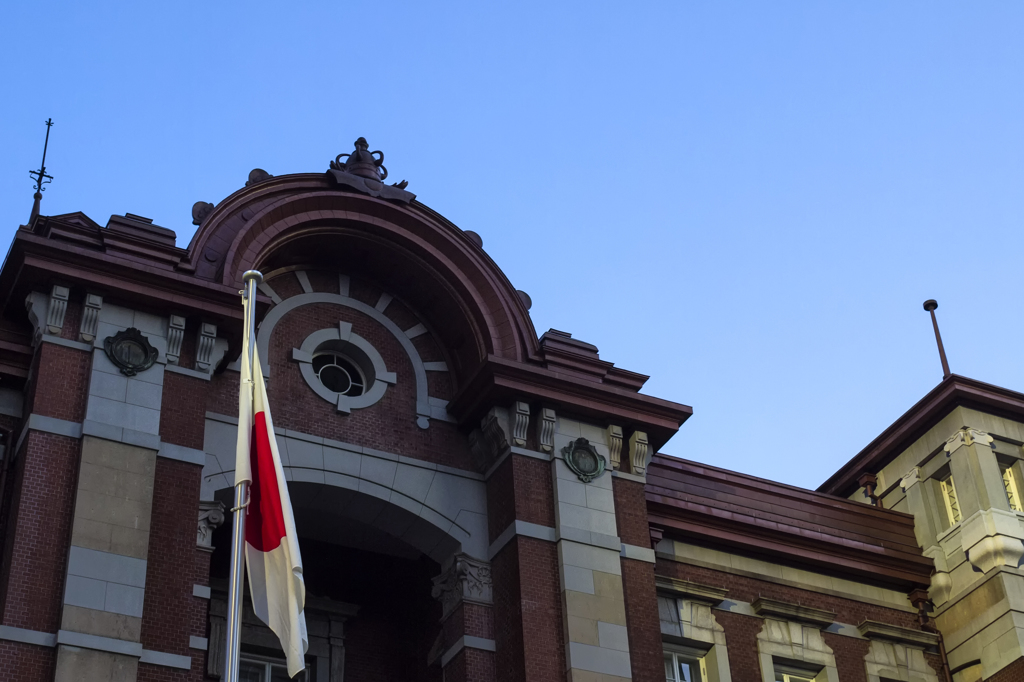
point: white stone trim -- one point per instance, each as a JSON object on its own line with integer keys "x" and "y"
{"x": 109, "y": 644}
{"x": 453, "y": 501}
{"x": 195, "y": 374}
{"x": 13, "y": 634}
{"x": 382, "y": 378}
{"x": 638, "y": 553}
{"x": 181, "y": 453}
{"x": 629, "y": 477}
{"x": 201, "y": 591}
{"x": 119, "y": 434}
{"x": 467, "y": 642}
{"x": 68, "y": 343}
{"x": 38, "y": 422}
{"x": 201, "y": 643}
{"x": 303, "y": 278}
{"x": 524, "y": 528}
{"x": 166, "y": 660}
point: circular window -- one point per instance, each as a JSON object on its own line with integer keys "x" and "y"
{"x": 339, "y": 374}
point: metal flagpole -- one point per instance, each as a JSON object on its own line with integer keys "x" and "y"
{"x": 251, "y": 278}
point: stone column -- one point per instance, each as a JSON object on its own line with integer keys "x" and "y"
{"x": 926, "y": 528}
{"x": 990, "y": 533}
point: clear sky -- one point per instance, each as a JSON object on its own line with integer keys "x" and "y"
{"x": 747, "y": 201}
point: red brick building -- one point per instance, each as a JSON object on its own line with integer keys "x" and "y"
{"x": 474, "y": 502}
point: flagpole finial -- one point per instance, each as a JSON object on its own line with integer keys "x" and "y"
{"x": 253, "y": 275}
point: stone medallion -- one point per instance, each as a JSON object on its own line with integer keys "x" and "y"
{"x": 581, "y": 457}
{"x": 130, "y": 351}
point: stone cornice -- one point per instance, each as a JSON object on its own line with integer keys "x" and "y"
{"x": 772, "y": 608}
{"x": 872, "y": 629}
{"x": 697, "y": 592}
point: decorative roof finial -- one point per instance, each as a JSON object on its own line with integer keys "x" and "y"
{"x": 362, "y": 163}
{"x": 363, "y": 171}
{"x": 40, "y": 176}
{"x": 930, "y": 305}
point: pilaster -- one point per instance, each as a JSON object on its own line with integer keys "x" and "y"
{"x": 990, "y": 533}
{"x": 589, "y": 550}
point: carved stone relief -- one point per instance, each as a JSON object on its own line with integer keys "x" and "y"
{"x": 175, "y": 335}
{"x": 638, "y": 453}
{"x": 546, "y": 430}
{"x": 130, "y": 351}
{"x": 583, "y": 460}
{"x": 204, "y": 346}
{"x": 90, "y": 318}
{"x": 614, "y": 445}
{"x": 211, "y": 516}
{"x": 521, "y": 417}
{"x": 463, "y": 578}
{"x": 58, "y": 307}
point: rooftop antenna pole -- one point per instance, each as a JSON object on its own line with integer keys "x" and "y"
{"x": 40, "y": 176}
{"x": 930, "y": 305}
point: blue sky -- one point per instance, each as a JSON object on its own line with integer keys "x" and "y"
{"x": 748, "y": 201}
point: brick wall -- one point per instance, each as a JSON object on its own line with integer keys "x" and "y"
{"x": 183, "y": 410}
{"x": 631, "y": 512}
{"x": 170, "y": 571}
{"x": 741, "y": 640}
{"x": 528, "y": 612}
{"x": 468, "y": 619}
{"x": 849, "y": 653}
{"x": 1011, "y": 673}
{"x": 73, "y": 316}
{"x": 26, "y": 662}
{"x": 40, "y": 531}
{"x": 471, "y": 665}
{"x": 521, "y": 488}
{"x": 642, "y": 620}
{"x": 61, "y": 383}
{"x": 388, "y": 425}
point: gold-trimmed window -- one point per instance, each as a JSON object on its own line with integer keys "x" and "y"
{"x": 1012, "y": 490}
{"x": 950, "y": 499}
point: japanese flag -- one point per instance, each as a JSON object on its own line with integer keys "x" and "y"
{"x": 271, "y": 545}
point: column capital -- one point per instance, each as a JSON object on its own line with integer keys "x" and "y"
{"x": 463, "y": 579}
{"x": 967, "y": 437}
{"x": 910, "y": 479}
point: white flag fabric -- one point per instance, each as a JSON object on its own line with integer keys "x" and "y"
{"x": 271, "y": 546}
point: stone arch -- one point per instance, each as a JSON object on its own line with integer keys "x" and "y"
{"x": 262, "y": 220}
{"x": 436, "y": 509}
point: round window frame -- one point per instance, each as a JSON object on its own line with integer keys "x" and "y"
{"x": 358, "y": 351}
{"x": 339, "y": 355}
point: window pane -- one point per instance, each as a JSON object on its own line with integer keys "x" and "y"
{"x": 670, "y": 669}
{"x": 687, "y": 671}
{"x": 249, "y": 671}
{"x": 320, "y": 360}
{"x": 279, "y": 673}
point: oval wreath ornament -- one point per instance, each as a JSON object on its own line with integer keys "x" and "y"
{"x": 130, "y": 351}
{"x": 582, "y": 459}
